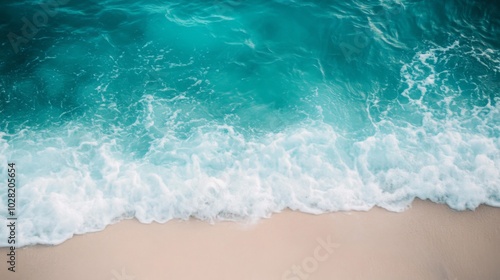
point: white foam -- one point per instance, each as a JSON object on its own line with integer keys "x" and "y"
{"x": 80, "y": 182}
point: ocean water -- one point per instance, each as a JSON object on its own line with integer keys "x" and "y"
{"x": 234, "y": 110}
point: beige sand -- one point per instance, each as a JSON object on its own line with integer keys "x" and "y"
{"x": 429, "y": 241}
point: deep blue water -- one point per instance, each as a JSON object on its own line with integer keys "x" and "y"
{"x": 238, "y": 109}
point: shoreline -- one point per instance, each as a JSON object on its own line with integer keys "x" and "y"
{"x": 427, "y": 241}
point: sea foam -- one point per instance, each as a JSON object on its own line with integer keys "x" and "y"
{"x": 76, "y": 182}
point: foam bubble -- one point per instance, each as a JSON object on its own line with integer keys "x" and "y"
{"x": 76, "y": 187}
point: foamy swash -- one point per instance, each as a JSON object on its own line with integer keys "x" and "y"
{"x": 231, "y": 111}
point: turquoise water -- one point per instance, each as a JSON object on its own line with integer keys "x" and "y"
{"x": 238, "y": 109}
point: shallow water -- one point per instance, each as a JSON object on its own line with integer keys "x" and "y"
{"x": 237, "y": 109}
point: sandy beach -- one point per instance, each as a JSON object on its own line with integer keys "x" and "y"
{"x": 115, "y": 114}
{"x": 428, "y": 241}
